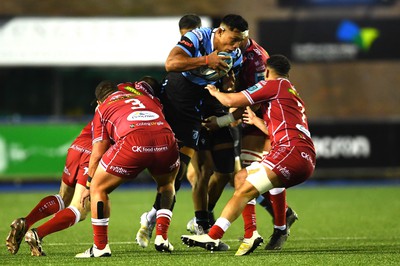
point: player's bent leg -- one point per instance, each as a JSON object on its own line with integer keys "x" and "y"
{"x": 20, "y": 226}
{"x": 61, "y": 220}
{"x": 166, "y": 190}
{"x": 102, "y": 184}
{"x": 257, "y": 180}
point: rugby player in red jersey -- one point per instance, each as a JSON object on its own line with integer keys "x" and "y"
{"x": 291, "y": 159}
{"x": 254, "y": 143}
{"x": 130, "y": 134}
{"x": 73, "y": 183}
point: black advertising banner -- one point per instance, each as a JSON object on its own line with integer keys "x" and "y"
{"x": 367, "y": 146}
{"x": 315, "y": 40}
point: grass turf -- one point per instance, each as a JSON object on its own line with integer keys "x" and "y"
{"x": 337, "y": 226}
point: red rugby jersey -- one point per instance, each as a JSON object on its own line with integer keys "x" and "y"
{"x": 283, "y": 111}
{"x": 122, "y": 113}
{"x": 254, "y": 65}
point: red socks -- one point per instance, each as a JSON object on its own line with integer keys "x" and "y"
{"x": 249, "y": 219}
{"x": 216, "y": 232}
{"x": 46, "y": 207}
{"x": 278, "y": 202}
{"x": 100, "y": 232}
{"x": 162, "y": 222}
{"x": 62, "y": 220}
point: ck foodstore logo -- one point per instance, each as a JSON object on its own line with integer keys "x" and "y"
{"x": 349, "y": 32}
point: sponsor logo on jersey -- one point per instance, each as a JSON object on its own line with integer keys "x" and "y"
{"x": 175, "y": 165}
{"x": 149, "y": 148}
{"x": 186, "y": 43}
{"x": 142, "y": 116}
{"x": 119, "y": 170}
{"x": 306, "y": 156}
{"x": 149, "y": 124}
{"x": 133, "y": 90}
{"x": 284, "y": 171}
{"x": 80, "y": 149}
{"x": 258, "y": 51}
{"x": 293, "y": 91}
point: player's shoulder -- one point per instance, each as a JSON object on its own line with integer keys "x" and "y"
{"x": 199, "y": 35}
{"x": 257, "y": 50}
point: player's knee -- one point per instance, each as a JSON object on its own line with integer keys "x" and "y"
{"x": 240, "y": 177}
{"x": 258, "y": 177}
{"x": 246, "y": 192}
{"x": 80, "y": 211}
{"x": 61, "y": 200}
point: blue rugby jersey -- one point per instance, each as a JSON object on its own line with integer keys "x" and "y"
{"x": 199, "y": 42}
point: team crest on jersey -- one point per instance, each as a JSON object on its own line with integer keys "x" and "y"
{"x": 142, "y": 116}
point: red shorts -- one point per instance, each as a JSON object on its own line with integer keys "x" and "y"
{"x": 156, "y": 151}
{"x": 76, "y": 166}
{"x": 293, "y": 165}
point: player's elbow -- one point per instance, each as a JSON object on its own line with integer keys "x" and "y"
{"x": 168, "y": 66}
{"x": 171, "y": 65}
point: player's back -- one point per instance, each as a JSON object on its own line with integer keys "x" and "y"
{"x": 122, "y": 113}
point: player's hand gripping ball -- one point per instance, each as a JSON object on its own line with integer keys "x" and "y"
{"x": 211, "y": 74}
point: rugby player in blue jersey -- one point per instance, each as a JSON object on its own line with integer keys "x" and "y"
{"x": 183, "y": 88}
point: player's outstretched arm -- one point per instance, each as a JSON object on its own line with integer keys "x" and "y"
{"x": 236, "y": 99}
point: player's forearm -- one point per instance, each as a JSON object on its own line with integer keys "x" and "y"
{"x": 226, "y": 99}
{"x": 98, "y": 149}
{"x": 183, "y": 63}
{"x": 260, "y": 123}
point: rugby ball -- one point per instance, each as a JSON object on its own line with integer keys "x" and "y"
{"x": 212, "y": 74}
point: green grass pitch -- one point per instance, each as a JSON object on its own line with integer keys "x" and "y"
{"x": 337, "y": 226}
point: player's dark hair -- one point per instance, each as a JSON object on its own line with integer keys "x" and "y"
{"x": 105, "y": 88}
{"x": 235, "y": 22}
{"x": 154, "y": 84}
{"x": 280, "y": 64}
{"x": 190, "y": 21}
